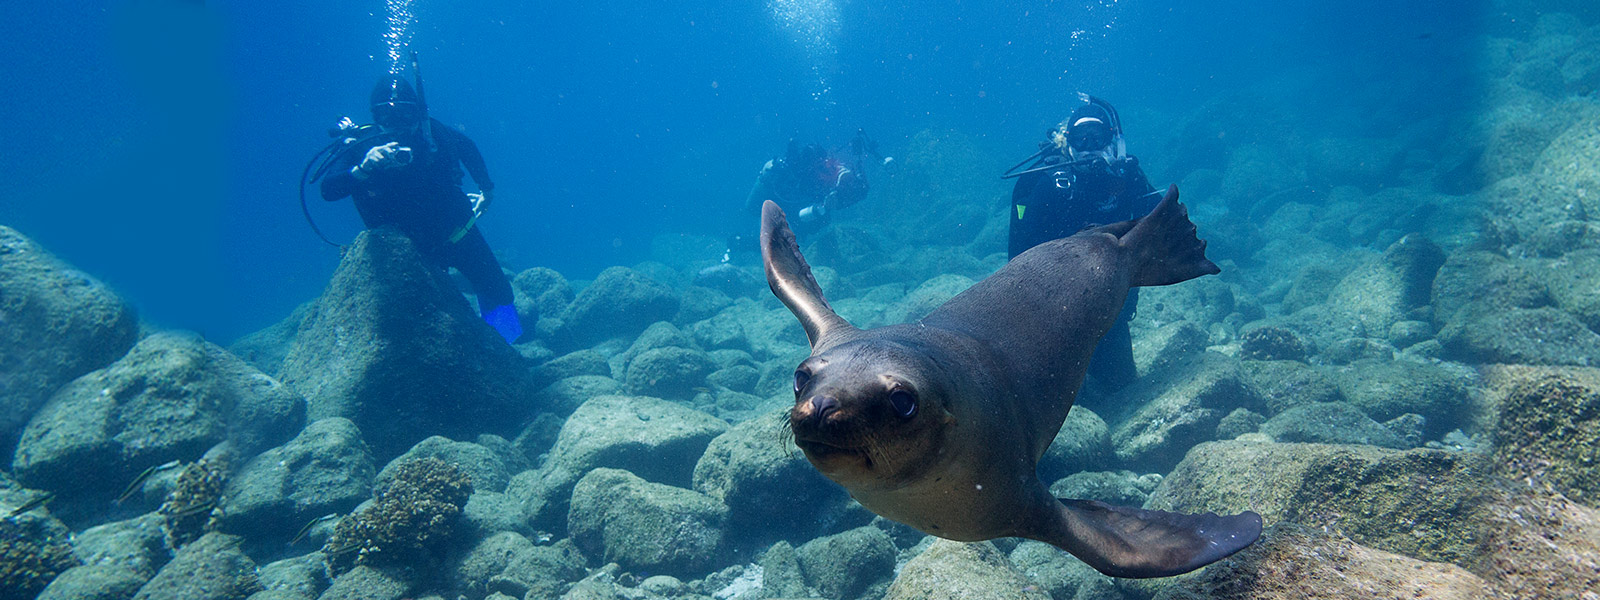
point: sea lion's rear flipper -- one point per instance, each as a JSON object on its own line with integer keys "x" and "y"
{"x": 1131, "y": 542}
{"x": 1165, "y": 249}
{"x": 790, "y": 278}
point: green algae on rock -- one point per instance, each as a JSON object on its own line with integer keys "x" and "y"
{"x": 409, "y": 523}
{"x": 1548, "y": 430}
{"x": 29, "y": 559}
{"x": 191, "y": 509}
{"x": 1413, "y": 502}
{"x": 1293, "y": 562}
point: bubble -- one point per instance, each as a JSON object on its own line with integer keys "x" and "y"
{"x": 398, "y": 37}
{"x": 813, "y": 25}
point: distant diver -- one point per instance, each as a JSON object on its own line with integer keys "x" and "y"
{"x": 814, "y": 183}
{"x": 405, "y": 172}
{"x": 1081, "y": 177}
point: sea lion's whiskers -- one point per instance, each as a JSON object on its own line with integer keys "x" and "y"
{"x": 876, "y": 453}
{"x": 785, "y": 432}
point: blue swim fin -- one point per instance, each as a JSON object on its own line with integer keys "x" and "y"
{"x": 504, "y": 320}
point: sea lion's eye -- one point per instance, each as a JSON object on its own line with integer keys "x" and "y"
{"x": 801, "y": 378}
{"x": 904, "y": 402}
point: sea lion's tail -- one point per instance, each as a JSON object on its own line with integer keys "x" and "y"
{"x": 1164, "y": 246}
{"x": 1136, "y": 543}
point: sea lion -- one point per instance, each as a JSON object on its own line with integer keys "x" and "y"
{"x": 939, "y": 424}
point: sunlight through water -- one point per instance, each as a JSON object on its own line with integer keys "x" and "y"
{"x": 813, "y": 24}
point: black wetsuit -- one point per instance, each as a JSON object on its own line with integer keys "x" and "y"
{"x": 424, "y": 200}
{"x": 1056, "y": 203}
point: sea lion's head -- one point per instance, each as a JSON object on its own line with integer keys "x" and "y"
{"x": 869, "y": 412}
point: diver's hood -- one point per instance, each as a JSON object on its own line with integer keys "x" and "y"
{"x": 394, "y": 91}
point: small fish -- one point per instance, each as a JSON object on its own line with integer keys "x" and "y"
{"x": 351, "y": 547}
{"x": 194, "y": 510}
{"x": 300, "y": 535}
{"x": 37, "y": 502}
{"x": 702, "y": 390}
{"x": 143, "y": 475}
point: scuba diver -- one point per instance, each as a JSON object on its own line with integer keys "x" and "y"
{"x": 405, "y": 172}
{"x": 1082, "y": 176}
{"x": 811, "y": 183}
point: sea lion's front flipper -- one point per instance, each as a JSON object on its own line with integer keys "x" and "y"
{"x": 1131, "y": 542}
{"x": 790, "y": 278}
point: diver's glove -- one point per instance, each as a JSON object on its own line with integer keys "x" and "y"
{"x": 387, "y": 156}
{"x": 481, "y": 201}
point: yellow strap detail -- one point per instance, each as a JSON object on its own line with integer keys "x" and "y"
{"x": 1020, "y": 210}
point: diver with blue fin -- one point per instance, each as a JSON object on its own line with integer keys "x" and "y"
{"x": 405, "y": 171}
{"x": 1081, "y": 177}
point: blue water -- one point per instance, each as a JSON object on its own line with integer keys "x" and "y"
{"x": 158, "y": 143}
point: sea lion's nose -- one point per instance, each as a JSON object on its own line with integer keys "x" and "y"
{"x": 821, "y": 406}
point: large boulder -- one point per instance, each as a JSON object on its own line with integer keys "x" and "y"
{"x": 956, "y": 571}
{"x": 1419, "y": 503}
{"x": 60, "y": 323}
{"x": 1388, "y": 389}
{"x": 93, "y": 582}
{"x": 1569, "y": 168}
{"x": 540, "y": 292}
{"x": 1574, "y": 283}
{"x": 137, "y": 545}
{"x": 326, "y": 469}
{"x": 1330, "y": 423}
{"x": 1375, "y": 296}
{"x": 1276, "y": 568}
{"x": 1538, "y": 546}
{"x": 1548, "y": 428}
{"x": 846, "y": 564}
{"x": 621, "y": 302}
{"x": 1285, "y": 384}
{"x": 1060, "y": 574}
{"x": 1083, "y": 443}
{"x": 171, "y": 398}
{"x": 393, "y": 346}
{"x": 520, "y": 569}
{"x": 932, "y": 294}
{"x": 211, "y": 568}
{"x": 566, "y": 395}
{"x": 654, "y": 439}
{"x": 646, "y": 526}
{"x": 1529, "y": 336}
{"x": 582, "y": 362}
{"x": 1486, "y": 282}
{"x": 756, "y": 470}
{"x": 1178, "y": 409}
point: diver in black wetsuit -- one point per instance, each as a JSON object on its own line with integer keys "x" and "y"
{"x": 409, "y": 177}
{"x": 1083, "y": 177}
